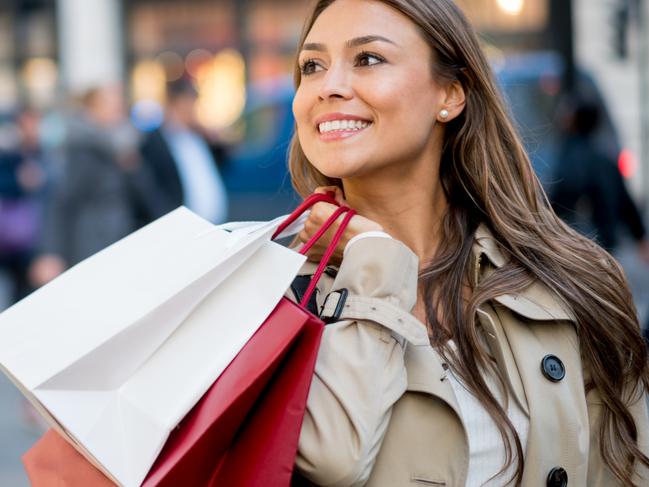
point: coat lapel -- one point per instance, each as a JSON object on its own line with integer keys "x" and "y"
{"x": 496, "y": 339}
{"x": 536, "y": 302}
{"x": 426, "y": 374}
{"x": 522, "y": 329}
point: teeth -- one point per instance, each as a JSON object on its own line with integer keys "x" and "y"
{"x": 342, "y": 125}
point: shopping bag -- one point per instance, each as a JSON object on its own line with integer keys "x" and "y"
{"x": 245, "y": 430}
{"x": 118, "y": 349}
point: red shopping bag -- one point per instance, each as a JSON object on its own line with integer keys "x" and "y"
{"x": 244, "y": 431}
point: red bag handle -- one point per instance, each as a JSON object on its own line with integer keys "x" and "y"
{"x": 305, "y": 205}
{"x": 327, "y": 224}
{"x": 349, "y": 214}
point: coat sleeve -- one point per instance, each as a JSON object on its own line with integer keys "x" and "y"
{"x": 360, "y": 370}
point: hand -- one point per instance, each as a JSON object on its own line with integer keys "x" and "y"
{"x": 45, "y": 268}
{"x": 320, "y": 212}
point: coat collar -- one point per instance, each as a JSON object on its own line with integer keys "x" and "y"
{"x": 536, "y": 302}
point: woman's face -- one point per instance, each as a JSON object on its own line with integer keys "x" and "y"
{"x": 367, "y": 99}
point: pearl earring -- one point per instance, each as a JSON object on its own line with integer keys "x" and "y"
{"x": 443, "y": 114}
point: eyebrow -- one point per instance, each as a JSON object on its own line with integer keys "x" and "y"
{"x": 355, "y": 42}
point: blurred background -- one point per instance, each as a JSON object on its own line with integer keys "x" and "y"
{"x": 113, "y": 112}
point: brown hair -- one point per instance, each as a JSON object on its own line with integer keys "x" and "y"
{"x": 488, "y": 178}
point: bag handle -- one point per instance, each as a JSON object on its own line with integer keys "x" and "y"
{"x": 325, "y": 226}
{"x": 349, "y": 214}
{"x": 304, "y": 206}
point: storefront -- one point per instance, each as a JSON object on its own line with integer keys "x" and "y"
{"x": 28, "y": 54}
{"x": 226, "y": 47}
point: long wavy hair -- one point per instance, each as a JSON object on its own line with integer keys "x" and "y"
{"x": 487, "y": 178}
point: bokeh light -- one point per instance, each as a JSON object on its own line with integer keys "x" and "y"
{"x": 221, "y": 87}
{"x": 627, "y": 163}
{"x": 511, "y": 7}
{"x": 172, "y": 63}
{"x": 196, "y": 59}
{"x": 148, "y": 81}
{"x": 40, "y": 76}
{"x": 147, "y": 115}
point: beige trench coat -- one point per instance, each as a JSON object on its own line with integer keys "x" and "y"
{"x": 381, "y": 411}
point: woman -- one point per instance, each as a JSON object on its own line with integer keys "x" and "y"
{"x": 474, "y": 339}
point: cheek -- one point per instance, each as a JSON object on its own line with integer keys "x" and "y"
{"x": 406, "y": 115}
{"x": 301, "y": 105}
{"x": 406, "y": 98}
{"x": 301, "y": 114}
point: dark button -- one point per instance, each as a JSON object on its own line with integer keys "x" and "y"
{"x": 557, "y": 477}
{"x": 553, "y": 368}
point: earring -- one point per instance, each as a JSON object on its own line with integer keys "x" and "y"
{"x": 443, "y": 114}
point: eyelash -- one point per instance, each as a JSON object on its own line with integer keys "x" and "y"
{"x": 311, "y": 63}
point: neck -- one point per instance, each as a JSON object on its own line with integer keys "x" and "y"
{"x": 409, "y": 204}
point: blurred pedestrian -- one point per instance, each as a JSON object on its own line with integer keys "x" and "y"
{"x": 184, "y": 165}
{"x": 93, "y": 204}
{"x": 588, "y": 190}
{"x": 23, "y": 180}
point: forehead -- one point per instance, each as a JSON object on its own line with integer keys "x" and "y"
{"x": 347, "y": 19}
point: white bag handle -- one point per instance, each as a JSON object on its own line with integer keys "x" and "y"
{"x": 250, "y": 227}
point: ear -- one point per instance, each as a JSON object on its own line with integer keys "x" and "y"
{"x": 454, "y": 101}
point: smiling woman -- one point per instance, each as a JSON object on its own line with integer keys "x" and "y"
{"x": 474, "y": 339}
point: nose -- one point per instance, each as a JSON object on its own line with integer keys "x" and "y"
{"x": 336, "y": 83}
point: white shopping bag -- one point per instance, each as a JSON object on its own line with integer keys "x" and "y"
{"x": 119, "y": 348}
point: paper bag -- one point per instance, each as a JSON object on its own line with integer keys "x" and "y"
{"x": 119, "y": 348}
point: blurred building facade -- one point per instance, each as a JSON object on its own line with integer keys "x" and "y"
{"x": 28, "y": 52}
{"x": 606, "y": 40}
{"x": 52, "y": 46}
{"x": 612, "y": 41}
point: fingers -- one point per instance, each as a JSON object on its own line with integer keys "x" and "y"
{"x": 320, "y": 213}
{"x": 318, "y": 216}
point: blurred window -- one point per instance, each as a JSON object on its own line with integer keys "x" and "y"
{"x": 28, "y": 54}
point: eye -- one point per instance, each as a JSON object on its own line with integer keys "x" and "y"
{"x": 309, "y": 66}
{"x": 368, "y": 59}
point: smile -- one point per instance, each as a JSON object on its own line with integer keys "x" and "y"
{"x": 342, "y": 126}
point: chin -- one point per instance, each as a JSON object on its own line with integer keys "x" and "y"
{"x": 337, "y": 168}
{"x": 342, "y": 164}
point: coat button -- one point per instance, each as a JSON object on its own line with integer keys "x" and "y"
{"x": 557, "y": 477}
{"x": 553, "y": 368}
